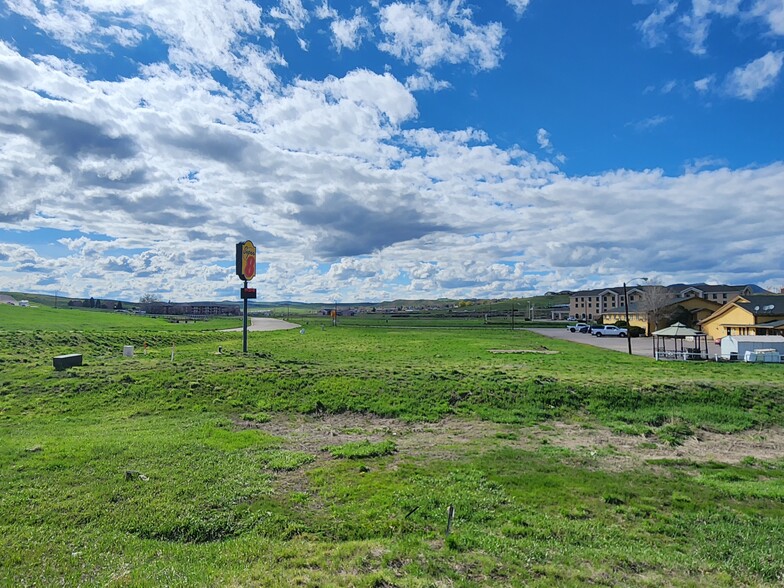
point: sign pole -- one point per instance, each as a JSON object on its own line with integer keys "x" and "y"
{"x": 245, "y": 322}
{"x": 246, "y": 271}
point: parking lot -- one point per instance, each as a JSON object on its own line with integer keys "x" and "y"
{"x": 640, "y": 345}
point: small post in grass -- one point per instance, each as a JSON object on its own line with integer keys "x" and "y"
{"x": 450, "y": 515}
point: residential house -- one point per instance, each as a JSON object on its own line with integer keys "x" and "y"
{"x": 753, "y": 314}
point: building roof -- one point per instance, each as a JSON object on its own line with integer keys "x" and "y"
{"x": 598, "y": 291}
{"x": 677, "y": 330}
{"x": 676, "y": 288}
{"x": 761, "y": 305}
{"x": 714, "y": 287}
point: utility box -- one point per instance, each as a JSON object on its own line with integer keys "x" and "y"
{"x": 63, "y": 362}
{"x": 128, "y": 350}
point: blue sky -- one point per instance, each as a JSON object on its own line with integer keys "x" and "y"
{"x": 389, "y": 149}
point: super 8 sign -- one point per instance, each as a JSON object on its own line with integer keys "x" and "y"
{"x": 246, "y": 260}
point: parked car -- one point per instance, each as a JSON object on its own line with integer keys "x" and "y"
{"x": 609, "y": 331}
{"x": 579, "y": 328}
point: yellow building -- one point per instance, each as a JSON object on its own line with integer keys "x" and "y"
{"x": 637, "y": 318}
{"x": 689, "y": 311}
{"x": 753, "y": 314}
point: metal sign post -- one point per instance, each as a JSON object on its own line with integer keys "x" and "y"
{"x": 246, "y": 270}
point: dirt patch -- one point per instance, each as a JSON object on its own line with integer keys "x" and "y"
{"x": 617, "y": 451}
{"x": 453, "y": 437}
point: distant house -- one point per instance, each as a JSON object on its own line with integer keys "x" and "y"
{"x": 753, "y": 314}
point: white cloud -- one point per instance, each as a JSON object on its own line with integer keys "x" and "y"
{"x": 649, "y": 123}
{"x": 344, "y": 191}
{"x": 653, "y": 27}
{"x": 748, "y": 81}
{"x": 704, "y": 84}
{"x": 206, "y": 35}
{"x": 669, "y": 87}
{"x": 772, "y": 11}
{"x": 426, "y": 81}
{"x": 348, "y": 32}
{"x": 292, "y": 13}
{"x": 519, "y": 6}
{"x": 696, "y": 24}
{"x": 543, "y": 139}
{"x": 439, "y": 32}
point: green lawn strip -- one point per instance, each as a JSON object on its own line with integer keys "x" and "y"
{"x": 42, "y": 318}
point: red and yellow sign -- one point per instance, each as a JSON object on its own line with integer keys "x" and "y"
{"x": 246, "y": 260}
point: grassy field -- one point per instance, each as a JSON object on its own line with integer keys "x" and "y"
{"x": 330, "y": 458}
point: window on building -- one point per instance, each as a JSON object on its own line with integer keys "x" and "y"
{"x": 715, "y": 296}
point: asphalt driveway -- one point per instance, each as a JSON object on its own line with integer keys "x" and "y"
{"x": 640, "y": 345}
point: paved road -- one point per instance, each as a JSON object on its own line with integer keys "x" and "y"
{"x": 267, "y": 324}
{"x": 640, "y": 345}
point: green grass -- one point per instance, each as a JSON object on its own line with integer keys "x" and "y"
{"x": 148, "y": 471}
{"x": 42, "y": 318}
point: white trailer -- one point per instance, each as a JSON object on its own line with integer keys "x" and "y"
{"x": 736, "y": 346}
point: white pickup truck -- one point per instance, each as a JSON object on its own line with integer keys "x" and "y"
{"x": 579, "y": 328}
{"x": 609, "y": 331}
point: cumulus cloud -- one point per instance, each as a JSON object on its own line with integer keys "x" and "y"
{"x": 543, "y": 138}
{"x": 147, "y": 181}
{"x": 436, "y": 32}
{"x": 748, "y": 81}
{"x": 426, "y": 81}
{"x": 348, "y": 32}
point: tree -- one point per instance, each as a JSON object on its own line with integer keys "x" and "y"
{"x": 654, "y": 302}
{"x": 149, "y": 298}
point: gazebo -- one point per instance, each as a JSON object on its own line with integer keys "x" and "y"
{"x": 686, "y": 343}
